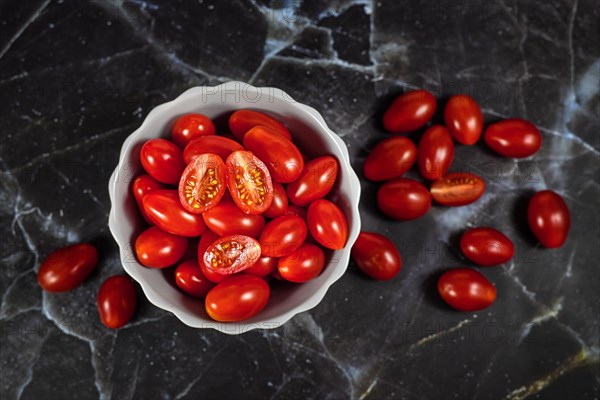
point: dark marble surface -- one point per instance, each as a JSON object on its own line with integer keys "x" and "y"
{"x": 76, "y": 77}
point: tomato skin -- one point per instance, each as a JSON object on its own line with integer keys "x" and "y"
{"x": 249, "y": 182}
{"x": 165, "y": 210}
{"x": 242, "y": 121}
{"x": 227, "y": 219}
{"x": 66, "y": 268}
{"x": 208, "y": 238}
{"x": 315, "y": 181}
{"x": 156, "y": 248}
{"x": 218, "y": 145}
{"x": 280, "y": 202}
{"x": 549, "y": 218}
{"x": 466, "y": 289}
{"x": 297, "y": 211}
{"x": 282, "y": 236}
{"x": 263, "y": 267}
{"x": 409, "y": 112}
{"x": 231, "y": 254}
{"x": 515, "y": 138}
{"x": 282, "y": 157}
{"x": 436, "y": 152}
{"x": 190, "y": 279}
{"x": 162, "y": 160}
{"x": 327, "y": 224}
{"x": 142, "y": 185}
{"x": 204, "y": 177}
{"x": 486, "y": 246}
{"x": 191, "y": 126}
{"x": 391, "y": 158}
{"x": 302, "y": 265}
{"x": 464, "y": 119}
{"x": 403, "y": 199}
{"x": 237, "y": 298}
{"x": 117, "y": 300}
{"x": 376, "y": 256}
{"x": 457, "y": 189}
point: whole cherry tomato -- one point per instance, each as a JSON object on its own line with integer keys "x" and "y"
{"x": 208, "y": 238}
{"x": 162, "y": 160}
{"x": 191, "y": 126}
{"x": 280, "y": 202}
{"x": 390, "y": 159}
{"x": 297, "y": 211}
{"x": 277, "y": 276}
{"x": 227, "y": 219}
{"x": 156, "y": 248}
{"x": 376, "y": 256}
{"x": 165, "y": 210}
{"x": 242, "y": 121}
{"x": 549, "y": 218}
{"x": 282, "y": 157}
{"x": 249, "y": 182}
{"x": 218, "y": 145}
{"x": 117, "y": 300}
{"x": 191, "y": 280}
{"x": 457, "y": 189}
{"x": 403, "y": 199}
{"x": 304, "y": 264}
{"x": 464, "y": 119}
{"x": 436, "y": 152}
{"x": 315, "y": 181}
{"x": 515, "y": 138}
{"x": 282, "y": 236}
{"x": 65, "y": 269}
{"x": 327, "y": 224}
{"x": 142, "y": 185}
{"x": 486, "y": 246}
{"x": 231, "y": 254}
{"x": 237, "y": 298}
{"x": 263, "y": 267}
{"x": 203, "y": 183}
{"x": 466, "y": 289}
{"x": 409, "y": 112}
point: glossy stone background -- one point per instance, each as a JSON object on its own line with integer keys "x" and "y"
{"x": 76, "y": 77}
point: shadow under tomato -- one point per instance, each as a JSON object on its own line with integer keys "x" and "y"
{"x": 454, "y": 246}
{"x": 430, "y": 290}
{"x": 104, "y": 245}
{"x": 519, "y": 218}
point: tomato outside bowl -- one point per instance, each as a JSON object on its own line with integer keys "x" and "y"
{"x": 312, "y": 135}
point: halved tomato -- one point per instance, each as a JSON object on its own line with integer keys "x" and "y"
{"x": 202, "y": 184}
{"x": 208, "y": 238}
{"x": 457, "y": 189}
{"x": 218, "y": 145}
{"x": 231, "y": 254}
{"x": 249, "y": 182}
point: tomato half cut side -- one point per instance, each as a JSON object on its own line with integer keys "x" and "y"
{"x": 202, "y": 184}
{"x": 457, "y": 189}
{"x": 231, "y": 254}
{"x": 249, "y": 182}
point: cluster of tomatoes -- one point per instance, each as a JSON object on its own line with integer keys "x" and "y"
{"x": 407, "y": 199}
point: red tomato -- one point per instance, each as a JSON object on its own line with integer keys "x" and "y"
{"x": 486, "y": 246}
{"x": 191, "y": 280}
{"x": 263, "y": 267}
{"x": 376, "y": 256}
{"x": 208, "y": 238}
{"x": 297, "y": 211}
{"x": 242, "y": 121}
{"x": 237, "y": 298}
{"x": 315, "y": 181}
{"x": 65, "y": 269}
{"x": 165, "y": 210}
{"x": 457, "y": 189}
{"x": 162, "y": 160}
{"x": 466, "y": 289}
{"x": 327, "y": 224}
{"x": 436, "y": 152}
{"x": 403, "y": 199}
{"x": 156, "y": 248}
{"x": 282, "y": 157}
{"x": 191, "y": 126}
{"x": 514, "y": 138}
{"x": 280, "y": 202}
{"x": 302, "y": 265}
{"x": 549, "y": 218}
{"x": 142, "y": 185}
{"x": 231, "y": 254}
{"x": 218, "y": 145}
{"x": 409, "y": 111}
{"x": 390, "y": 159}
{"x": 282, "y": 236}
{"x": 202, "y": 184}
{"x": 249, "y": 182}
{"x": 227, "y": 219}
{"x": 277, "y": 276}
{"x": 464, "y": 119}
{"x": 117, "y": 300}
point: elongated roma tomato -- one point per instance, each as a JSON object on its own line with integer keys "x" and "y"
{"x": 304, "y": 264}
{"x": 117, "y": 300}
{"x": 231, "y": 254}
{"x": 283, "y": 236}
{"x": 263, "y": 267}
{"x": 156, "y": 248}
{"x": 315, "y": 181}
{"x": 409, "y": 112}
{"x": 65, "y": 269}
{"x": 376, "y": 256}
{"x": 464, "y": 119}
{"x": 218, "y": 145}
{"x": 280, "y": 202}
{"x": 457, "y": 189}
{"x": 249, "y": 182}
{"x": 515, "y": 138}
{"x": 327, "y": 224}
{"x": 237, "y": 298}
{"x": 390, "y": 159}
{"x": 142, "y": 185}
{"x": 191, "y": 126}
{"x": 203, "y": 183}
{"x": 436, "y": 152}
{"x": 403, "y": 199}
{"x": 242, "y": 121}
{"x": 227, "y": 219}
{"x": 282, "y": 157}
{"x": 165, "y": 210}
{"x": 486, "y": 246}
{"x": 466, "y": 289}
{"x": 208, "y": 238}
{"x": 190, "y": 279}
{"x": 549, "y": 218}
{"x": 163, "y": 160}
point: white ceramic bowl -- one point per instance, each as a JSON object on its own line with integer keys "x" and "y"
{"x": 310, "y": 133}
